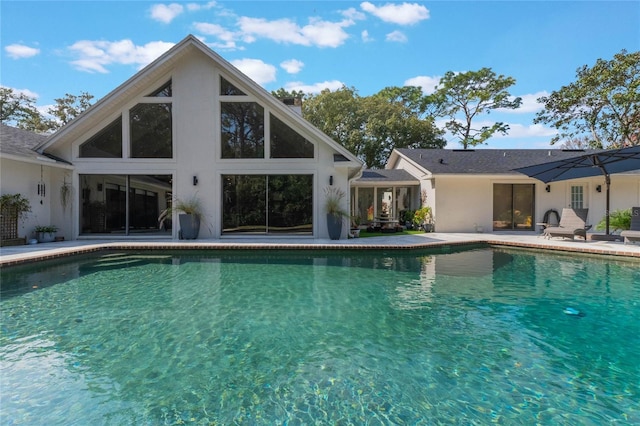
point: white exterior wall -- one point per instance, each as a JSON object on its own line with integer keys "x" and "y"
{"x": 464, "y": 202}
{"x": 19, "y": 177}
{"x": 196, "y": 151}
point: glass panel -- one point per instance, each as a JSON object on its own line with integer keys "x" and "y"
{"x": 162, "y": 92}
{"x": 105, "y": 144}
{"x": 365, "y": 205}
{"x": 244, "y": 203}
{"x": 287, "y": 143}
{"x": 103, "y": 206}
{"x": 385, "y": 204}
{"x": 242, "y": 126}
{"x": 513, "y": 206}
{"x": 228, "y": 89}
{"x": 523, "y": 203}
{"x": 502, "y": 206}
{"x": 403, "y": 202}
{"x": 577, "y": 197}
{"x": 151, "y": 135}
{"x": 290, "y": 204}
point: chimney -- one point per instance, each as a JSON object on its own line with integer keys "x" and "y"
{"x": 294, "y": 103}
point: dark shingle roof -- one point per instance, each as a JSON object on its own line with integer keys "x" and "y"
{"x": 485, "y": 161}
{"x": 14, "y": 141}
{"x": 20, "y": 143}
{"x": 387, "y": 175}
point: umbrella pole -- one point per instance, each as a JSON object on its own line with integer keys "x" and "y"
{"x": 607, "y": 182}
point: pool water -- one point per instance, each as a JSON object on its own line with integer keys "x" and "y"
{"x": 313, "y": 337}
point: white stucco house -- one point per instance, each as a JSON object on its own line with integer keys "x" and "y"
{"x": 188, "y": 125}
{"x": 478, "y": 190}
{"x": 192, "y": 125}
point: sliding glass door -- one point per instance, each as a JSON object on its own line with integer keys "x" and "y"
{"x": 267, "y": 204}
{"x": 513, "y": 207}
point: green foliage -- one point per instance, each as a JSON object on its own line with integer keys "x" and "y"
{"x": 371, "y": 127}
{"x": 20, "y": 110}
{"x": 463, "y": 96}
{"x": 618, "y": 220}
{"x": 49, "y": 229}
{"x": 333, "y": 201}
{"x": 191, "y": 205}
{"x": 602, "y": 105}
{"x": 422, "y": 216}
{"x": 15, "y": 204}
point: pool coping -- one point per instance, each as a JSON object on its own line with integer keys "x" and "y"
{"x": 40, "y": 252}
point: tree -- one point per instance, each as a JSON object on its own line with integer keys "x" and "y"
{"x": 463, "y": 96}
{"x": 371, "y": 127}
{"x": 602, "y": 105}
{"x": 68, "y": 108}
{"x": 20, "y": 110}
{"x": 16, "y": 108}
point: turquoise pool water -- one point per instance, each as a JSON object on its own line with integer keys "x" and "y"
{"x": 264, "y": 337}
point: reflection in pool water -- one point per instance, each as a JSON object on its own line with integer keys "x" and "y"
{"x": 265, "y": 337}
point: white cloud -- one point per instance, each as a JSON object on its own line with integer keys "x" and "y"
{"x": 354, "y": 14}
{"x": 317, "y": 33}
{"x": 402, "y": 14}
{"x": 529, "y": 104}
{"x": 258, "y": 71}
{"x": 228, "y": 38}
{"x": 166, "y": 13}
{"x": 314, "y": 88}
{"x": 95, "y": 56}
{"x": 365, "y": 36}
{"x": 194, "y": 7}
{"x": 25, "y": 92}
{"x": 397, "y": 36}
{"x": 292, "y": 66}
{"x": 428, "y": 84}
{"x": 519, "y": 131}
{"x": 19, "y": 51}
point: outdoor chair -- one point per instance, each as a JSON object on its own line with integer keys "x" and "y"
{"x": 633, "y": 233}
{"x": 572, "y": 223}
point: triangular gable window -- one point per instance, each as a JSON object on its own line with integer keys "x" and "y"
{"x": 163, "y": 92}
{"x": 105, "y": 144}
{"x": 287, "y": 143}
{"x": 228, "y": 89}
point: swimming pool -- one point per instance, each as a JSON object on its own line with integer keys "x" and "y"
{"x": 301, "y": 337}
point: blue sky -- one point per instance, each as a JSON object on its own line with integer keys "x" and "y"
{"x": 50, "y": 48}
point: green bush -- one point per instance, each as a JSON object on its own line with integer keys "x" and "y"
{"x": 618, "y": 220}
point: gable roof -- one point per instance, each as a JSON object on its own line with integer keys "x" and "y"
{"x": 19, "y": 144}
{"x": 481, "y": 161}
{"x": 387, "y": 176}
{"x": 162, "y": 65}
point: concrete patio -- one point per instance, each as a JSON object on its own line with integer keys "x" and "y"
{"x": 14, "y": 255}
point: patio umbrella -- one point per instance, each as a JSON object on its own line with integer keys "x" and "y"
{"x": 587, "y": 165}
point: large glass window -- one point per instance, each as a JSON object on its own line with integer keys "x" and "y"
{"x": 151, "y": 131}
{"x": 126, "y": 204}
{"x": 286, "y": 142}
{"x": 384, "y": 206}
{"x": 242, "y": 126}
{"x": 513, "y": 206}
{"x": 106, "y": 144}
{"x": 165, "y": 91}
{"x": 267, "y": 204}
{"x": 228, "y": 89}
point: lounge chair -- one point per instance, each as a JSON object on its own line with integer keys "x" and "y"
{"x": 633, "y": 233}
{"x": 572, "y": 223}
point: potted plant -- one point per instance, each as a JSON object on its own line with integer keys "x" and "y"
{"x": 422, "y": 219}
{"x": 46, "y": 234}
{"x": 13, "y": 208}
{"x": 189, "y": 216}
{"x": 335, "y": 212}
